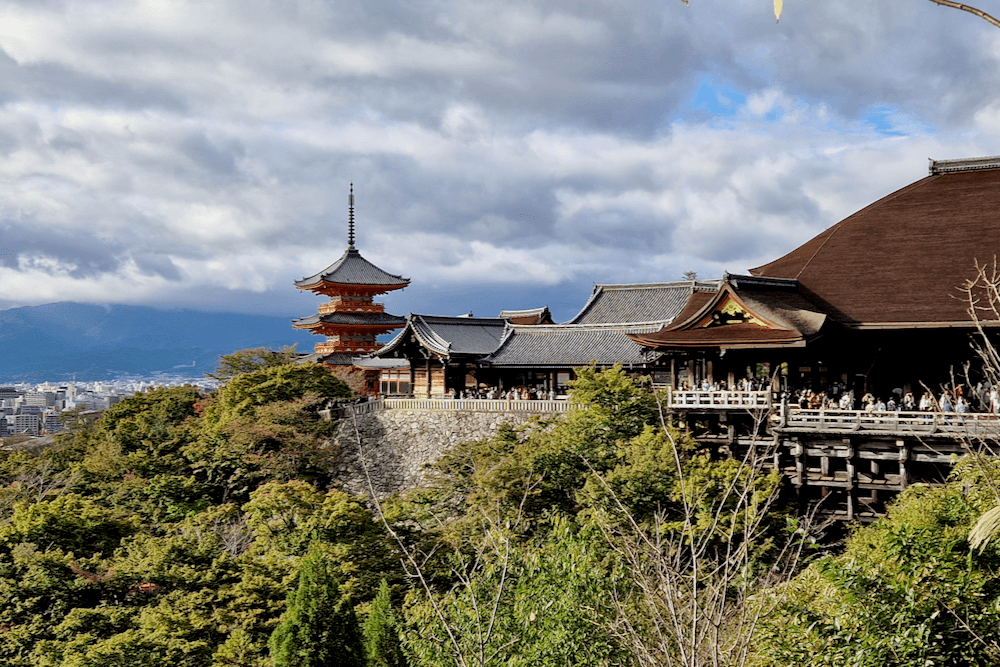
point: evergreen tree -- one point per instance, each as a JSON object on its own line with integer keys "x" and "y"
{"x": 319, "y": 628}
{"x": 381, "y": 632}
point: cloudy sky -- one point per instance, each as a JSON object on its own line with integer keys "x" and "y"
{"x": 505, "y": 153}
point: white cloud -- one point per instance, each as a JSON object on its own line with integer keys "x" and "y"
{"x": 181, "y": 151}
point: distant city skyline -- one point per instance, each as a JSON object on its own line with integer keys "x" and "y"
{"x": 504, "y": 155}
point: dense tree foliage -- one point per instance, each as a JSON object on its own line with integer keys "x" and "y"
{"x": 907, "y": 590}
{"x": 319, "y": 628}
{"x": 207, "y": 531}
{"x": 381, "y": 632}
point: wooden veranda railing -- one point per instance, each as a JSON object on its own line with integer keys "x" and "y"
{"x": 719, "y": 400}
{"x": 453, "y": 404}
{"x": 476, "y": 405}
{"x": 974, "y": 425}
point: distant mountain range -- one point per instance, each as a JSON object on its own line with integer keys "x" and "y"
{"x": 54, "y": 341}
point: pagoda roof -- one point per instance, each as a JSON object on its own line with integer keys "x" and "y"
{"x": 899, "y": 262}
{"x": 529, "y": 316}
{"x": 568, "y": 345}
{"x": 378, "y": 319}
{"x": 449, "y": 336}
{"x": 353, "y": 269}
{"x": 747, "y": 311}
{"x": 639, "y": 302}
{"x": 335, "y": 359}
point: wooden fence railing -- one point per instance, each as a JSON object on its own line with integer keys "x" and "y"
{"x": 719, "y": 400}
{"x": 976, "y": 425}
{"x": 450, "y": 404}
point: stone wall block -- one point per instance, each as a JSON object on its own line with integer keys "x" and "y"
{"x": 398, "y": 445}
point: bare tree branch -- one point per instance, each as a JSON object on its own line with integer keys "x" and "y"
{"x": 966, "y": 8}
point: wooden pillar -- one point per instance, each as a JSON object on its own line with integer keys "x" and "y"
{"x": 798, "y": 452}
{"x": 904, "y": 456}
{"x": 673, "y": 373}
{"x": 427, "y": 378}
{"x": 851, "y": 479}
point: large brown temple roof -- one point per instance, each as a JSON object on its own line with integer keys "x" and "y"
{"x": 353, "y": 269}
{"x": 900, "y": 261}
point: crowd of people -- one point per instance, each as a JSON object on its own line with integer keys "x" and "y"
{"x": 961, "y": 399}
{"x": 982, "y": 397}
{"x": 514, "y": 394}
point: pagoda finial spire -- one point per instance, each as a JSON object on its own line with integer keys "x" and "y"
{"x": 350, "y": 218}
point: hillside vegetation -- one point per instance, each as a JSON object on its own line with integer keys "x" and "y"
{"x": 187, "y": 530}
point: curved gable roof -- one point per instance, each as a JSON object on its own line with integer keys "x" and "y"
{"x": 447, "y": 336}
{"x": 746, "y": 312}
{"x": 901, "y": 260}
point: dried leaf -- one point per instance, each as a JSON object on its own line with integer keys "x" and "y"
{"x": 777, "y": 10}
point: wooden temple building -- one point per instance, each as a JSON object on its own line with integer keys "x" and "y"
{"x": 873, "y": 304}
{"x": 351, "y": 319}
{"x": 436, "y": 356}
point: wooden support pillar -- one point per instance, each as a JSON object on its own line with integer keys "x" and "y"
{"x": 673, "y": 373}
{"x": 904, "y": 456}
{"x": 852, "y": 479}
{"x": 428, "y": 377}
{"x": 798, "y": 453}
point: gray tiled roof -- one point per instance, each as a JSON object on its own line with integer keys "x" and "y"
{"x": 353, "y": 269}
{"x": 563, "y": 345}
{"x": 641, "y": 302}
{"x": 335, "y": 359}
{"x": 448, "y": 336}
{"x": 373, "y": 319}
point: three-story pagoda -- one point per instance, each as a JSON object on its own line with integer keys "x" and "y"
{"x": 350, "y": 320}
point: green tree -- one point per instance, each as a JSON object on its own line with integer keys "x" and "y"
{"x": 250, "y": 360}
{"x": 907, "y": 590}
{"x": 381, "y": 632}
{"x": 264, "y": 425}
{"x": 319, "y": 627}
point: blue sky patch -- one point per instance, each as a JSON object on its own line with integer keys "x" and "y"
{"x": 716, "y": 98}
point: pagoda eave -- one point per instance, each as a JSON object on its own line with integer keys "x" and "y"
{"x": 334, "y": 289}
{"x": 340, "y": 330}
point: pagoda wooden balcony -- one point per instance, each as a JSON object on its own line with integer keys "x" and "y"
{"x": 719, "y": 400}
{"x": 349, "y": 347}
{"x": 350, "y": 307}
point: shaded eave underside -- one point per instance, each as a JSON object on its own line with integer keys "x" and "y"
{"x": 359, "y": 320}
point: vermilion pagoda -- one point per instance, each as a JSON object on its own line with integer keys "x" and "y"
{"x": 350, "y": 320}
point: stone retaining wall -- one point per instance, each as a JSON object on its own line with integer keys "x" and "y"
{"x": 398, "y": 444}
